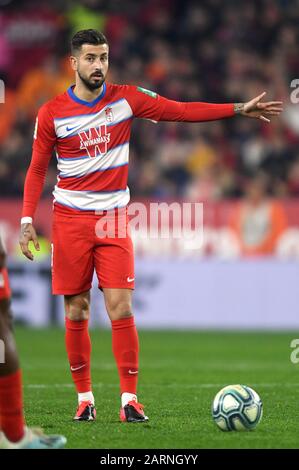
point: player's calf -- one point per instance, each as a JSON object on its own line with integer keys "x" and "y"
{"x": 11, "y": 362}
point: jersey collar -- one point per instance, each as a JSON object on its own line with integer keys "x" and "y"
{"x": 90, "y": 104}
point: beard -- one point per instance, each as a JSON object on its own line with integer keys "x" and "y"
{"x": 92, "y": 83}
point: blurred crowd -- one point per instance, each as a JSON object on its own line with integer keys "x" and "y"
{"x": 186, "y": 50}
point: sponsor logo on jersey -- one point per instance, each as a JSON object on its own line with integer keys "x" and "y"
{"x": 95, "y": 141}
{"x": 147, "y": 92}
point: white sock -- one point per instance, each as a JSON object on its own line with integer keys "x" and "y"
{"x": 126, "y": 397}
{"x": 86, "y": 396}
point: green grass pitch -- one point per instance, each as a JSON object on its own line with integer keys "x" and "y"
{"x": 180, "y": 373}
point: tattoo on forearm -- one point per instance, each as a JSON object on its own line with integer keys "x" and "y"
{"x": 238, "y": 107}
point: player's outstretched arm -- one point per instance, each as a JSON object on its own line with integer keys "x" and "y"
{"x": 27, "y": 235}
{"x": 149, "y": 105}
{"x": 256, "y": 109}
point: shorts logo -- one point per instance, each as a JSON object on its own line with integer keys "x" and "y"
{"x": 95, "y": 141}
{"x": 2, "y": 283}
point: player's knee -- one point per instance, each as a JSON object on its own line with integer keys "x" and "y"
{"x": 119, "y": 310}
{"x": 77, "y": 307}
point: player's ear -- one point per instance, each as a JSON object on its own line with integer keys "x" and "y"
{"x": 74, "y": 62}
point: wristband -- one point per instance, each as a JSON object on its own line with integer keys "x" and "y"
{"x": 26, "y": 220}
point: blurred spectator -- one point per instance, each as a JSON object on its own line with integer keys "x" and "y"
{"x": 188, "y": 51}
{"x": 258, "y": 221}
{"x": 293, "y": 178}
{"x": 8, "y": 114}
{"x": 40, "y": 84}
{"x": 86, "y": 14}
{"x": 32, "y": 31}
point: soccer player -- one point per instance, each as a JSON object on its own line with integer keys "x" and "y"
{"x": 13, "y": 432}
{"x": 89, "y": 127}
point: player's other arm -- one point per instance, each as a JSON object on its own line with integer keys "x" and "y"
{"x": 43, "y": 145}
{"x": 149, "y": 105}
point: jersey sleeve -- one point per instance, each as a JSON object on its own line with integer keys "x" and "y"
{"x": 44, "y": 137}
{"x": 149, "y": 105}
{"x": 43, "y": 145}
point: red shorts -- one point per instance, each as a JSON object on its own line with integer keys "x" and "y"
{"x": 4, "y": 284}
{"x": 81, "y": 245}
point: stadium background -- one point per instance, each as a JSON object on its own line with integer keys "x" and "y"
{"x": 201, "y": 51}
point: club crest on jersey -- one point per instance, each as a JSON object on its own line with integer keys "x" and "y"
{"x": 109, "y": 115}
{"x": 95, "y": 141}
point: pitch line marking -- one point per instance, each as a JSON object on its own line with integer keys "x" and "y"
{"x": 100, "y": 385}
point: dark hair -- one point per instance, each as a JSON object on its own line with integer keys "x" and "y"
{"x": 87, "y": 36}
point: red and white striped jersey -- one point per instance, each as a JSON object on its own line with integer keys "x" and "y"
{"x": 91, "y": 142}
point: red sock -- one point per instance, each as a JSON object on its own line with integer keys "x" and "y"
{"x": 11, "y": 406}
{"x": 78, "y": 347}
{"x": 125, "y": 348}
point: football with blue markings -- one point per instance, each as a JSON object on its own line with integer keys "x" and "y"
{"x": 237, "y": 408}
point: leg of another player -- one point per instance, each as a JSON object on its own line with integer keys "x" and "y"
{"x": 14, "y": 434}
{"x": 11, "y": 397}
{"x": 125, "y": 346}
{"x": 78, "y": 346}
